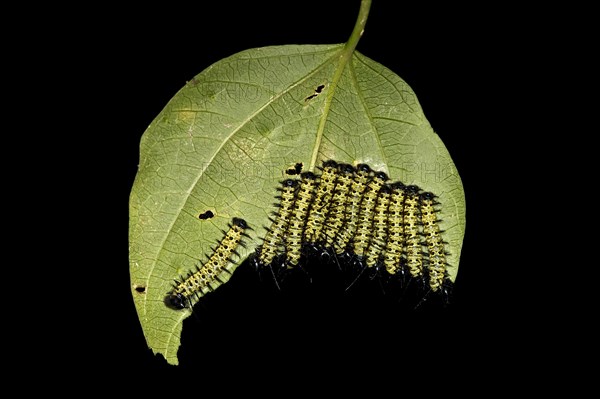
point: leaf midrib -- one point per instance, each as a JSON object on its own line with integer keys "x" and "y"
{"x": 344, "y": 57}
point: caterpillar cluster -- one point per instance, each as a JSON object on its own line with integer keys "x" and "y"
{"x": 211, "y": 274}
{"x": 351, "y": 214}
{"x": 355, "y": 214}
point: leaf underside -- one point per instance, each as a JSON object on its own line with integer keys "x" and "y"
{"x": 223, "y": 142}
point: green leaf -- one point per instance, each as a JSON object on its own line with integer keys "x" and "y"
{"x": 222, "y": 144}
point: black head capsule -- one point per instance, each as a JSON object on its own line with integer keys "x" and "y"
{"x": 381, "y": 176}
{"x": 290, "y": 183}
{"x": 176, "y": 301}
{"x": 412, "y": 189}
{"x": 428, "y": 196}
{"x": 398, "y": 186}
{"x": 329, "y": 164}
{"x": 287, "y": 183}
{"x": 363, "y": 167}
{"x": 241, "y": 223}
{"x": 385, "y": 189}
{"x": 346, "y": 168}
{"x": 308, "y": 176}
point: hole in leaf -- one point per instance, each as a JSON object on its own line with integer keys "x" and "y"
{"x": 295, "y": 170}
{"x": 318, "y": 91}
{"x": 140, "y": 289}
{"x": 206, "y": 215}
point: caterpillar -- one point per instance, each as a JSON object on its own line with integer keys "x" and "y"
{"x": 274, "y": 238}
{"x": 377, "y": 244}
{"x": 354, "y": 211}
{"x": 321, "y": 203}
{"x": 365, "y": 215}
{"x": 395, "y": 237}
{"x": 362, "y": 176}
{"x": 412, "y": 239}
{"x": 335, "y": 216}
{"x": 210, "y": 275}
{"x": 304, "y": 199}
{"x": 436, "y": 265}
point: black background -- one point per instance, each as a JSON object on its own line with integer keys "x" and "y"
{"x": 456, "y": 63}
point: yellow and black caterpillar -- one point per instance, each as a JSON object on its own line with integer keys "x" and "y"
{"x": 209, "y": 275}
{"x": 354, "y": 213}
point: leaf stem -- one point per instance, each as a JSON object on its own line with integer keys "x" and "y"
{"x": 346, "y": 54}
{"x": 359, "y": 28}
